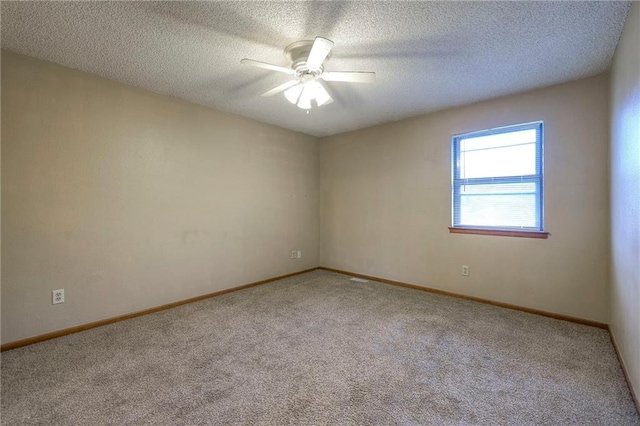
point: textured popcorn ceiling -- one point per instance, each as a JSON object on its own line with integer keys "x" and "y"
{"x": 427, "y": 55}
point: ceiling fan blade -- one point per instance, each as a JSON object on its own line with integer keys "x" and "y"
{"x": 280, "y": 88}
{"x": 319, "y": 51}
{"x": 271, "y": 67}
{"x": 349, "y": 76}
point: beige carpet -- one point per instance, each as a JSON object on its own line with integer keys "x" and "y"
{"x": 319, "y": 349}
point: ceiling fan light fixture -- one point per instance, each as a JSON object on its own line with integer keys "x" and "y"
{"x": 293, "y": 94}
{"x": 305, "y": 98}
{"x": 322, "y": 96}
{"x": 311, "y": 87}
{"x": 303, "y": 94}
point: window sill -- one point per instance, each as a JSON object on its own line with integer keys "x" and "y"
{"x": 499, "y": 233}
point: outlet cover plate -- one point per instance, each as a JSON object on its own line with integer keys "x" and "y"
{"x": 57, "y": 296}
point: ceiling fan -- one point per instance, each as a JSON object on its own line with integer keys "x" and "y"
{"x": 307, "y": 58}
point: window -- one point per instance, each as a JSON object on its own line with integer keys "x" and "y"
{"x": 498, "y": 181}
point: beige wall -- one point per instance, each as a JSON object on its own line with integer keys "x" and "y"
{"x": 129, "y": 199}
{"x": 625, "y": 196}
{"x": 386, "y": 204}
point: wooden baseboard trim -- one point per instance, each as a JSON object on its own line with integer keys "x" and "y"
{"x": 82, "y": 327}
{"x": 634, "y": 396}
{"x": 473, "y": 298}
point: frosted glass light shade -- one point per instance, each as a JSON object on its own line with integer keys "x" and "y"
{"x": 303, "y": 93}
{"x": 293, "y": 94}
{"x": 305, "y": 98}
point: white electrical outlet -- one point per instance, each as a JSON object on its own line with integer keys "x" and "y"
{"x": 299, "y": 254}
{"x": 465, "y": 271}
{"x": 294, "y": 254}
{"x": 57, "y": 296}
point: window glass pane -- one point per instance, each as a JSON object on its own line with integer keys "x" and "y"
{"x": 499, "y": 211}
{"x": 499, "y": 205}
{"x": 514, "y": 160}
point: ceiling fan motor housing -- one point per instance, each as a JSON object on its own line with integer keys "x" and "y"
{"x": 298, "y": 53}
